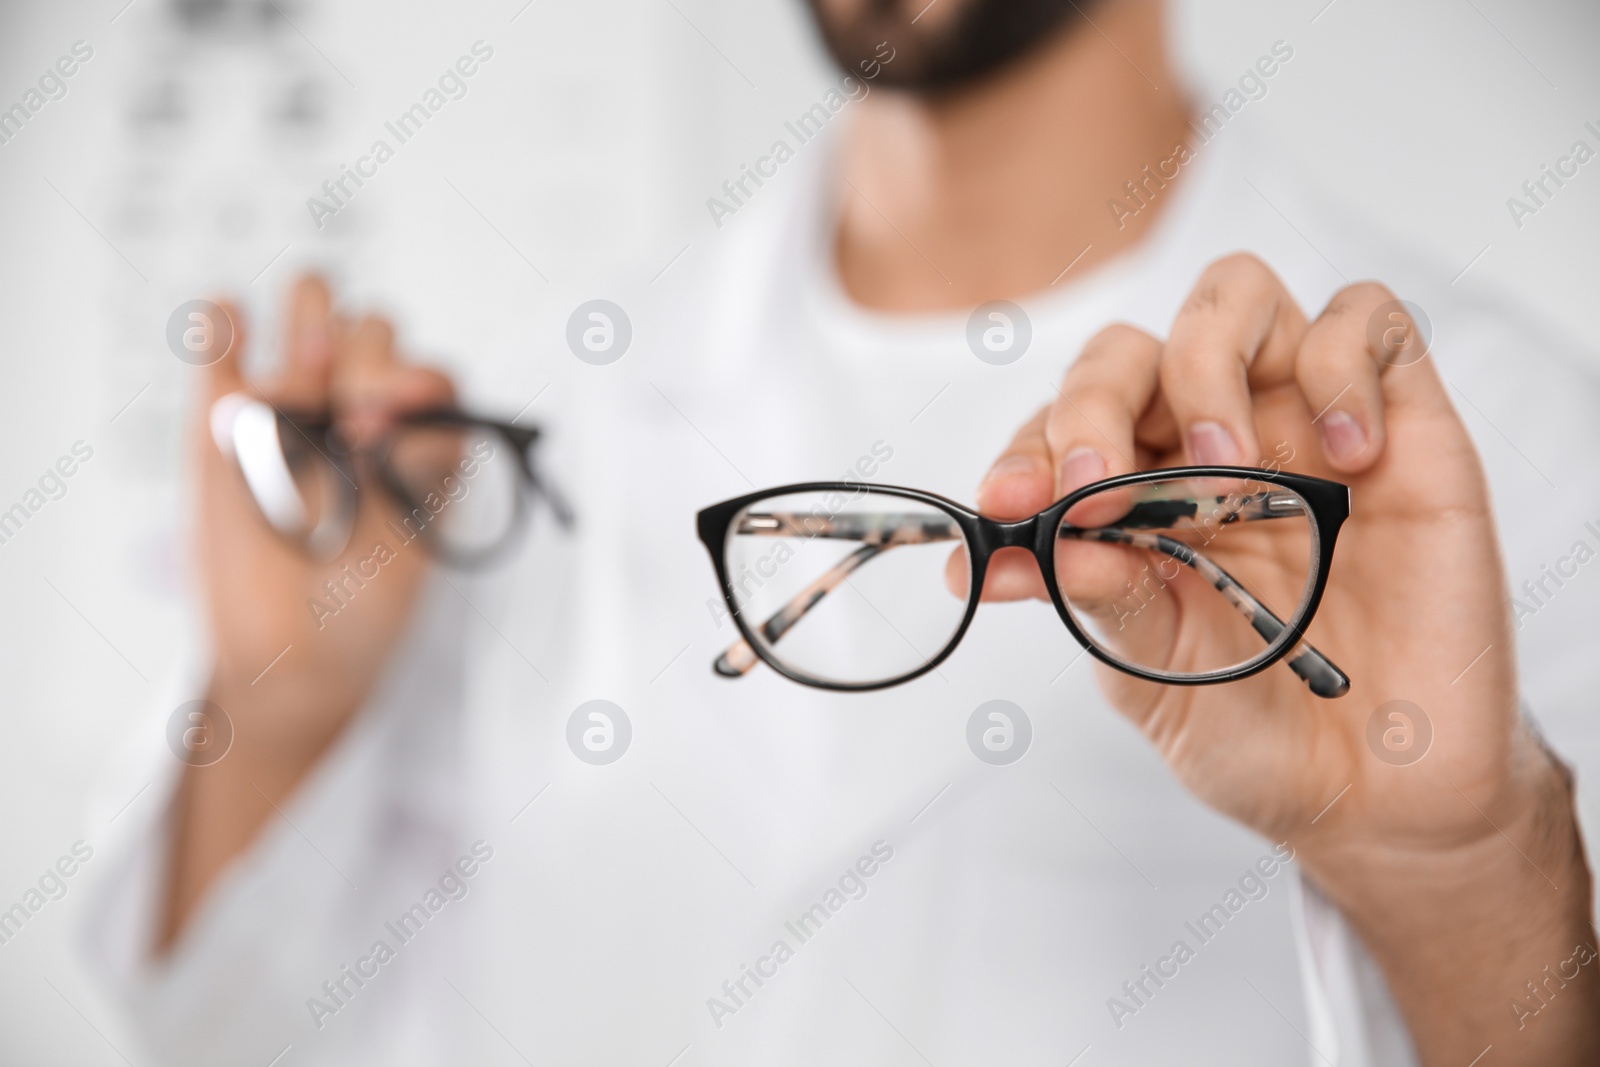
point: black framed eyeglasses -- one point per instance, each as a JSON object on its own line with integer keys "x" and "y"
{"x": 852, "y": 586}
{"x": 461, "y": 484}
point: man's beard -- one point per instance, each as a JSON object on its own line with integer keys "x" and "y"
{"x": 942, "y": 50}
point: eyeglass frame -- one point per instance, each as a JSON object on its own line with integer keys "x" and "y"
{"x": 1328, "y": 503}
{"x": 320, "y": 429}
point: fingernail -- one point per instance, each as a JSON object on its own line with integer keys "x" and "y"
{"x": 1343, "y": 436}
{"x": 1010, "y": 466}
{"x": 1210, "y": 443}
{"x": 1080, "y": 467}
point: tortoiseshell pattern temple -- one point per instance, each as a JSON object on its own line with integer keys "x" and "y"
{"x": 1306, "y": 661}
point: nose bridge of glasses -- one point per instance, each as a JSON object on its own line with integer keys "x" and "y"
{"x": 1021, "y": 534}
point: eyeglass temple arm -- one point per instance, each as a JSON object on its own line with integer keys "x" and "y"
{"x": 740, "y": 657}
{"x": 884, "y": 531}
{"x": 1315, "y": 669}
{"x": 552, "y": 496}
{"x": 523, "y": 437}
{"x": 878, "y": 532}
{"x": 1318, "y": 672}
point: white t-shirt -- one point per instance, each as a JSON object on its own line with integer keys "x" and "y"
{"x": 623, "y": 908}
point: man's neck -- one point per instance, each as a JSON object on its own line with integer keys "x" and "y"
{"x": 992, "y": 192}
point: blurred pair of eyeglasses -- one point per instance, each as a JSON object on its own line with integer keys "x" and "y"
{"x": 461, "y": 484}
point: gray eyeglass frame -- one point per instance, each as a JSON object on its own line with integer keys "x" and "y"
{"x": 320, "y": 430}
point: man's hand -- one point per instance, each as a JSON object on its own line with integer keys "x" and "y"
{"x": 1461, "y": 871}
{"x": 289, "y": 677}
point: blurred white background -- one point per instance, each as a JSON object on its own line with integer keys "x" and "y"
{"x": 577, "y": 165}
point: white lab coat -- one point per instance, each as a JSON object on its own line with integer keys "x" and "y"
{"x": 623, "y": 903}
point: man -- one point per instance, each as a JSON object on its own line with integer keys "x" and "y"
{"x": 773, "y": 874}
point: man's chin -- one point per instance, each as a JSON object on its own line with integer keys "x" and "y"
{"x": 940, "y": 46}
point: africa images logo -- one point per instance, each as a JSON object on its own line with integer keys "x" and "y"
{"x": 453, "y": 885}
{"x": 850, "y": 885}
{"x": 807, "y": 126}
{"x": 1253, "y": 885}
{"x": 452, "y": 85}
